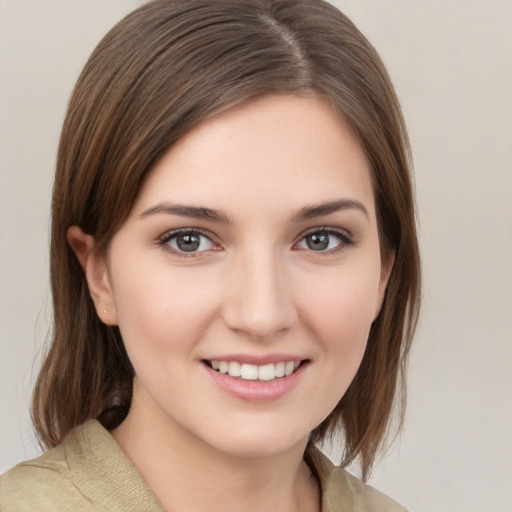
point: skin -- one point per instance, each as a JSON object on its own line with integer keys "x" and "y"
{"x": 254, "y": 288}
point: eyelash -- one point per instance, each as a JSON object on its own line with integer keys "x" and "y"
{"x": 343, "y": 236}
{"x": 164, "y": 240}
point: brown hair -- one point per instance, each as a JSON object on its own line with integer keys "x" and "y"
{"x": 158, "y": 73}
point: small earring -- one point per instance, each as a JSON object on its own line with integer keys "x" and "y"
{"x": 105, "y": 311}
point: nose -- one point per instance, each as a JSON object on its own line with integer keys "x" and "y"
{"x": 258, "y": 298}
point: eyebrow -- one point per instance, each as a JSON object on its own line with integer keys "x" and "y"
{"x": 194, "y": 212}
{"x": 305, "y": 213}
{"x": 322, "y": 209}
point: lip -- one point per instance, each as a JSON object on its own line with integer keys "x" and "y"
{"x": 257, "y": 391}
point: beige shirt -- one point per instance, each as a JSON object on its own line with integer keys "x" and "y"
{"x": 90, "y": 472}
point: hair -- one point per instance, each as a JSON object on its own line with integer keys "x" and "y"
{"x": 156, "y": 75}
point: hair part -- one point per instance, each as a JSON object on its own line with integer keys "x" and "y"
{"x": 157, "y": 74}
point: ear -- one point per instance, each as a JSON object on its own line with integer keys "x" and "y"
{"x": 95, "y": 268}
{"x": 385, "y": 272}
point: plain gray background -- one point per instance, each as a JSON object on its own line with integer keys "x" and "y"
{"x": 451, "y": 62}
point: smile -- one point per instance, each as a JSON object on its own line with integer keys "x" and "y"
{"x": 244, "y": 371}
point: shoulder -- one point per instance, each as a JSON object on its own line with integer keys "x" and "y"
{"x": 343, "y": 492}
{"x": 41, "y": 484}
{"x": 345, "y": 487}
{"x": 87, "y": 472}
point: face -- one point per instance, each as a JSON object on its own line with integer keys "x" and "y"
{"x": 246, "y": 278}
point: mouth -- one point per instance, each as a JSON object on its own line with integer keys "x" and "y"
{"x": 253, "y": 372}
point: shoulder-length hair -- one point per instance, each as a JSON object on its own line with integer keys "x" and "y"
{"x": 156, "y": 75}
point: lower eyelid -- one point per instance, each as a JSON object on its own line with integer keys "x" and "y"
{"x": 164, "y": 241}
{"x": 345, "y": 239}
{"x": 209, "y": 242}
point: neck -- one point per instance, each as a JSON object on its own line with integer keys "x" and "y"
{"x": 186, "y": 473}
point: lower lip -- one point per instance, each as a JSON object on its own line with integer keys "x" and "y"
{"x": 257, "y": 390}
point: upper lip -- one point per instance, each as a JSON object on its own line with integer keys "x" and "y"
{"x": 256, "y": 360}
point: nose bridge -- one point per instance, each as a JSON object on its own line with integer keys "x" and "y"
{"x": 259, "y": 299}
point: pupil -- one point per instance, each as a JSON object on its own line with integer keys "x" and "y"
{"x": 318, "y": 242}
{"x": 188, "y": 243}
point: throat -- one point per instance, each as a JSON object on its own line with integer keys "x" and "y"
{"x": 186, "y": 473}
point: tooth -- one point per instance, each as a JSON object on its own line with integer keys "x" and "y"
{"x": 289, "y": 367}
{"x": 223, "y": 367}
{"x": 296, "y": 365}
{"x": 234, "y": 369}
{"x": 215, "y": 365}
{"x": 266, "y": 372}
{"x": 249, "y": 372}
{"x": 280, "y": 369}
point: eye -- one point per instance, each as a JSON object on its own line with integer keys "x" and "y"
{"x": 187, "y": 241}
{"x": 325, "y": 240}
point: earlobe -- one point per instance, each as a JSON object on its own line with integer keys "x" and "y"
{"x": 95, "y": 268}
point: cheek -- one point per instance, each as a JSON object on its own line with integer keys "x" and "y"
{"x": 162, "y": 312}
{"x": 343, "y": 302}
{"x": 339, "y": 310}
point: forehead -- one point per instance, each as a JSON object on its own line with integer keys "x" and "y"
{"x": 276, "y": 151}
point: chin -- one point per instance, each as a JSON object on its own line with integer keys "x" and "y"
{"x": 261, "y": 444}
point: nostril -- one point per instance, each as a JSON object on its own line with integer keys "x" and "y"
{"x": 259, "y": 303}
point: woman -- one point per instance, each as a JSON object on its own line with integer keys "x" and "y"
{"x": 234, "y": 267}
